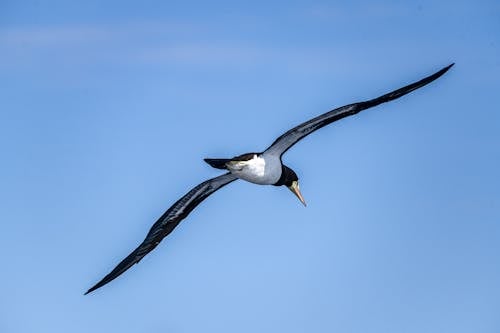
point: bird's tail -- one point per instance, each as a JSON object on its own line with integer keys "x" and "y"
{"x": 218, "y": 163}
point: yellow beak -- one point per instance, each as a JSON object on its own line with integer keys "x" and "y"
{"x": 295, "y": 189}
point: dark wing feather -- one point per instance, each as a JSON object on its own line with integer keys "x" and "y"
{"x": 166, "y": 223}
{"x": 287, "y": 140}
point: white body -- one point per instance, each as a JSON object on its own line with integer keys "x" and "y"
{"x": 262, "y": 170}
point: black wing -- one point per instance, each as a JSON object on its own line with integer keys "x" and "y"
{"x": 287, "y": 140}
{"x": 166, "y": 223}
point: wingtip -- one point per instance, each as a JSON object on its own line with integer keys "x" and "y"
{"x": 88, "y": 291}
{"x": 433, "y": 77}
{"x": 448, "y": 67}
{"x": 96, "y": 286}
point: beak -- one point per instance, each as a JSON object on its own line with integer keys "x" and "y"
{"x": 295, "y": 189}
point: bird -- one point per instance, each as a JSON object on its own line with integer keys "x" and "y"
{"x": 263, "y": 168}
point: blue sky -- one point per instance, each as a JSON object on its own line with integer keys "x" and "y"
{"x": 107, "y": 109}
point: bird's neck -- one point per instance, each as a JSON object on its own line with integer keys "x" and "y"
{"x": 285, "y": 176}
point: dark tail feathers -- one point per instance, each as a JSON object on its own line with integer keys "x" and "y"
{"x": 218, "y": 163}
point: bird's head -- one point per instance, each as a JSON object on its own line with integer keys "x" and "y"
{"x": 289, "y": 179}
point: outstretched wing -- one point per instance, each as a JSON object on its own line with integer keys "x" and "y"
{"x": 287, "y": 140}
{"x": 166, "y": 223}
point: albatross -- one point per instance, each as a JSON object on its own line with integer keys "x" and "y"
{"x": 263, "y": 168}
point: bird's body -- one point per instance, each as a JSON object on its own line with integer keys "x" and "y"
{"x": 264, "y": 168}
{"x": 257, "y": 168}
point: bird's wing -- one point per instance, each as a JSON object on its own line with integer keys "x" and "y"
{"x": 166, "y": 223}
{"x": 287, "y": 140}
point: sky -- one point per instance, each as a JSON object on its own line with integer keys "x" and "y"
{"x": 107, "y": 109}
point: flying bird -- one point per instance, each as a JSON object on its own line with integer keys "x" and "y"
{"x": 263, "y": 168}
